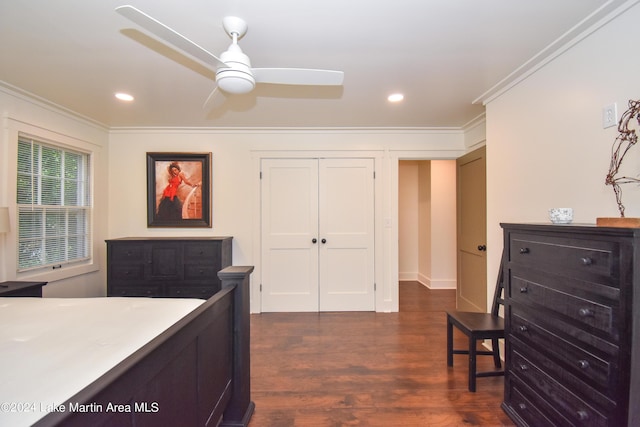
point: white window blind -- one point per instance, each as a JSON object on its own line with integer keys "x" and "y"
{"x": 54, "y": 205}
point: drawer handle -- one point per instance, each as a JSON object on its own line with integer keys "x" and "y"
{"x": 524, "y": 251}
{"x": 524, "y": 290}
{"x": 586, "y": 261}
{"x": 522, "y": 406}
{"x": 523, "y": 328}
{"x": 524, "y": 367}
{"x": 583, "y": 364}
{"x": 582, "y": 415}
{"x": 585, "y": 312}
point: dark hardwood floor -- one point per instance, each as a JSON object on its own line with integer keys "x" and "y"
{"x": 368, "y": 369}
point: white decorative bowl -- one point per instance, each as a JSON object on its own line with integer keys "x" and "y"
{"x": 561, "y": 215}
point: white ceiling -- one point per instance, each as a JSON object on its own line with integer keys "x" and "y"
{"x": 443, "y": 54}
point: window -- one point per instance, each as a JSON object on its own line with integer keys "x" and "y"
{"x": 54, "y": 205}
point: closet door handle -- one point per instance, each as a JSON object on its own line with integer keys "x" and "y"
{"x": 323, "y": 241}
{"x": 314, "y": 240}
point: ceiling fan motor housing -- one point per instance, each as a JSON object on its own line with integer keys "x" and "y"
{"x": 237, "y": 78}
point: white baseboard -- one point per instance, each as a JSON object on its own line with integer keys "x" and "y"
{"x": 407, "y": 276}
{"x": 428, "y": 282}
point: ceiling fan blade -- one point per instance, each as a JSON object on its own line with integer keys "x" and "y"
{"x": 170, "y": 36}
{"x": 298, "y": 76}
{"x": 215, "y": 99}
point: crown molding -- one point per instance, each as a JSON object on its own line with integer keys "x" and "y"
{"x": 596, "y": 20}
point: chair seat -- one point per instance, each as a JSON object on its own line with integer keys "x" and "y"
{"x": 478, "y": 323}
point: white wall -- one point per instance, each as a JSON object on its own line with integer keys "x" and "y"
{"x": 443, "y": 225}
{"x": 21, "y": 113}
{"x": 545, "y": 143}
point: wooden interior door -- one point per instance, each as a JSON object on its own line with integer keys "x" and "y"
{"x": 471, "y": 294}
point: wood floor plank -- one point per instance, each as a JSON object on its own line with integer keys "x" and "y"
{"x": 368, "y": 369}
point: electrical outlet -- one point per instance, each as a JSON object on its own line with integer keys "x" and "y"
{"x": 610, "y": 115}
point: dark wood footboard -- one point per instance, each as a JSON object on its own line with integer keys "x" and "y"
{"x": 196, "y": 373}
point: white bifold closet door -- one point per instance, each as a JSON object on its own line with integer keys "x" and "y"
{"x": 317, "y": 235}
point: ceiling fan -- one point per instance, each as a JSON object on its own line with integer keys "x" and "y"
{"x": 234, "y": 74}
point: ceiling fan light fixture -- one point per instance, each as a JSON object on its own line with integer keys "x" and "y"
{"x": 235, "y": 81}
{"x": 234, "y": 74}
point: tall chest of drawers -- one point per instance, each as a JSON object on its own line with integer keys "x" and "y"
{"x": 166, "y": 267}
{"x": 572, "y": 319}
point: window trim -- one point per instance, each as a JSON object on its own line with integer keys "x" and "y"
{"x": 15, "y": 127}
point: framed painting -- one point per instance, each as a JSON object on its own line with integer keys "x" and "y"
{"x": 179, "y": 190}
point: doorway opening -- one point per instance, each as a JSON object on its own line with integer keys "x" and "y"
{"x": 427, "y": 224}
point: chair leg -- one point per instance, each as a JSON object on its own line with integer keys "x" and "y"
{"x": 496, "y": 353}
{"x": 449, "y": 343}
{"x": 472, "y": 364}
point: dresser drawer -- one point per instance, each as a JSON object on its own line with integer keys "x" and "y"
{"x": 563, "y": 400}
{"x": 139, "y": 291}
{"x": 564, "y": 255}
{"x": 203, "y": 292}
{"x": 198, "y": 252}
{"x": 129, "y": 253}
{"x": 583, "y": 307}
{"x": 562, "y": 409}
{"x": 531, "y": 408}
{"x": 127, "y": 272}
{"x": 587, "y": 367}
{"x": 200, "y": 272}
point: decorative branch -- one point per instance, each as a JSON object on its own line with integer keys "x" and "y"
{"x": 626, "y": 139}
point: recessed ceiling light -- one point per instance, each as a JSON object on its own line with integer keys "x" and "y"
{"x": 124, "y": 96}
{"x": 395, "y": 97}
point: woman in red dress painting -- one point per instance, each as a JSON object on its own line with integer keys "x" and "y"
{"x": 170, "y": 206}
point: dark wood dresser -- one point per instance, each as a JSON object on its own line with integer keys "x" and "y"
{"x": 572, "y": 325}
{"x": 166, "y": 267}
{"x": 21, "y": 289}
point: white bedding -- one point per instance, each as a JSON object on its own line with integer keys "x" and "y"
{"x": 51, "y": 348}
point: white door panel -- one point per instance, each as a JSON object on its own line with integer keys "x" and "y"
{"x": 289, "y": 225}
{"x": 346, "y": 223}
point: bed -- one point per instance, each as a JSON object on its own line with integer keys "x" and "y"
{"x": 128, "y": 361}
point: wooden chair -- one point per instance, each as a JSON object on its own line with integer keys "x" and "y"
{"x": 479, "y": 326}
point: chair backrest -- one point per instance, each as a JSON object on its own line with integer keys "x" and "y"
{"x": 498, "y": 296}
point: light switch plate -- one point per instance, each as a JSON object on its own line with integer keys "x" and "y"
{"x": 610, "y": 115}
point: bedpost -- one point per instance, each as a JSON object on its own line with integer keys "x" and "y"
{"x": 240, "y": 408}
